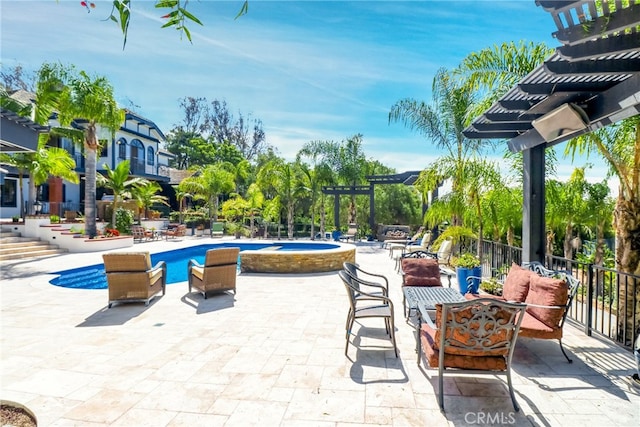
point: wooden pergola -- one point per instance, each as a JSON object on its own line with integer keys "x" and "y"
{"x": 592, "y": 80}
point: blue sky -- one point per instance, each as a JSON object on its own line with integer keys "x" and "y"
{"x": 310, "y": 70}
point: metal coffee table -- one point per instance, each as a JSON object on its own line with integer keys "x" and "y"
{"x": 429, "y": 296}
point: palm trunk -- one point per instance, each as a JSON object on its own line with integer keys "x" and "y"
{"x": 90, "y": 144}
{"x": 568, "y": 235}
{"x": 33, "y": 196}
{"x": 627, "y": 225}
{"x": 290, "y": 220}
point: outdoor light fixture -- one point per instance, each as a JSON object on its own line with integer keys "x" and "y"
{"x": 37, "y": 207}
{"x": 564, "y": 120}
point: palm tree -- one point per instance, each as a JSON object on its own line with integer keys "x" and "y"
{"x": 146, "y": 194}
{"x": 284, "y": 178}
{"x": 316, "y": 175}
{"x": 493, "y": 71}
{"x": 619, "y": 145}
{"x": 210, "y": 183}
{"x": 255, "y": 200}
{"x": 442, "y": 122}
{"x": 118, "y": 181}
{"x": 78, "y": 96}
{"x": 40, "y": 165}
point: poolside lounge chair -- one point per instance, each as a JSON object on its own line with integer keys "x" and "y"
{"x": 422, "y": 245}
{"x": 218, "y": 272}
{"x": 139, "y": 233}
{"x": 478, "y": 335}
{"x": 381, "y": 306}
{"x": 217, "y": 229}
{"x": 177, "y": 231}
{"x": 130, "y": 277}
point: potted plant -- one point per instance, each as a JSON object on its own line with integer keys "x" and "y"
{"x": 15, "y": 218}
{"x": 467, "y": 265}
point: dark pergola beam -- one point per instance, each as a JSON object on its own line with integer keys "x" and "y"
{"x": 601, "y": 47}
{"x": 575, "y": 87}
{"x": 601, "y": 26}
{"x": 517, "y": 104}
{"x": 472, "y": 133}
{"x": 593, "y": 66}
{"x": 511, "y": 117}
{"x": 502, "y": 126}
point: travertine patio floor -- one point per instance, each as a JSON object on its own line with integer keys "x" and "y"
{"x": 272, "y": 355}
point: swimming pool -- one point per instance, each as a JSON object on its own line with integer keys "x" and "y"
{"x": 258, "y": 256}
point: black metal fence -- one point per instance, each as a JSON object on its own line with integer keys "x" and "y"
{"x": 607, "y": 302}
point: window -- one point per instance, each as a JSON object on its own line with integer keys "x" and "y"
{"x": 122, "y": 148}
{"x": 150, "y": 156}
{"x": 104, "y": 147}
{"x": 8, "y": 193}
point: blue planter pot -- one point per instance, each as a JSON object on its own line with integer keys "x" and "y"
{"x": 336, "y": 235}
{"x": 463, "y": 273}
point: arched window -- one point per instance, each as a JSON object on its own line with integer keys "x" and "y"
{"x": 150, "y": 156}
{"x": 122, "y": 148}
{"x": 137, "y": 156}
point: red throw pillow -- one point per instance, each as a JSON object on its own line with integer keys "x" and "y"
{"x": 516, "y": 285}
{"x": 550, "y": 292}
{"x": 421, "y": 272}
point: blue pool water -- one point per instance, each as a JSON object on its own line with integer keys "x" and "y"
{"x": 93, "y": 276}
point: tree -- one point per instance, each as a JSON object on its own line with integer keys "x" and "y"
{"x": 146, "y": 194}
{"x": 284, "y": 178}
{"x": 45, "y": 162}
{"x": 255, "y": 201}
{"x": 118, "y": 182}
{"x": 245, "y": 133}
{"x": 442, "y": 122}
{"x": 177, "y": 16}
{"x": 619, "y": 145}
{"x": 315, "y": 175}
{"x": 79, "y": 96}
{"x": 209, "y": 183}
{"x": 493, "y": 71}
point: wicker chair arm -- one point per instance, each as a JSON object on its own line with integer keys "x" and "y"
{"x": 193, "y": 263}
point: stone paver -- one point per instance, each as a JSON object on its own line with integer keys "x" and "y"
{"x": 272, "y": 355}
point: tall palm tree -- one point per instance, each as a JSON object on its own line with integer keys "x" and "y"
{"x": 315, "y": 175}
{"x": 118, "y": 181}
{"x": 284, "y": 178}
{"x": 90, "y": 100}
{"x": 442, "y": 122}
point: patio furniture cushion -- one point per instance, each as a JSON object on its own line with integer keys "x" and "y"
{"x": 533, "y": 328}
{"x": 430, "y": 350}
{"x": 421, "y": 272}
{"x": 461, "y": 342}
{"x": 516, "y": 285}
{"x": 547, "y": 291}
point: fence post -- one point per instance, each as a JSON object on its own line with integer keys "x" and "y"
{"x": 587, "y": 325}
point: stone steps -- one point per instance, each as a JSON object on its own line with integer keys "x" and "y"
{"x": 14, "y": 247}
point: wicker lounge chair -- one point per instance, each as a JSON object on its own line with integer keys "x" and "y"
{"x": 218, "y": 272}
{"x": 177, "y": 231}
{"x": 478, "y": 335}
{"x": 131, "y": 278}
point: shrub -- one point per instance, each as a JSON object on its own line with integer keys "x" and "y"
{"x": 124, "y": 220}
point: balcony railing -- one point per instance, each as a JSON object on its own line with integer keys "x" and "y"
{"x": 607, "y": 301}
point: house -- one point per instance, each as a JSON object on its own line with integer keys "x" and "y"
{"x": 138, "y": 140}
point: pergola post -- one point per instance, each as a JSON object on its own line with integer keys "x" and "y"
{"x": 533, "y": 224}
{"x": 372, "y": 210}
{"x": 336, "y": 211}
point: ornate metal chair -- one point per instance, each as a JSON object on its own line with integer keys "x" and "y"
{"x": 479, "y": 334}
